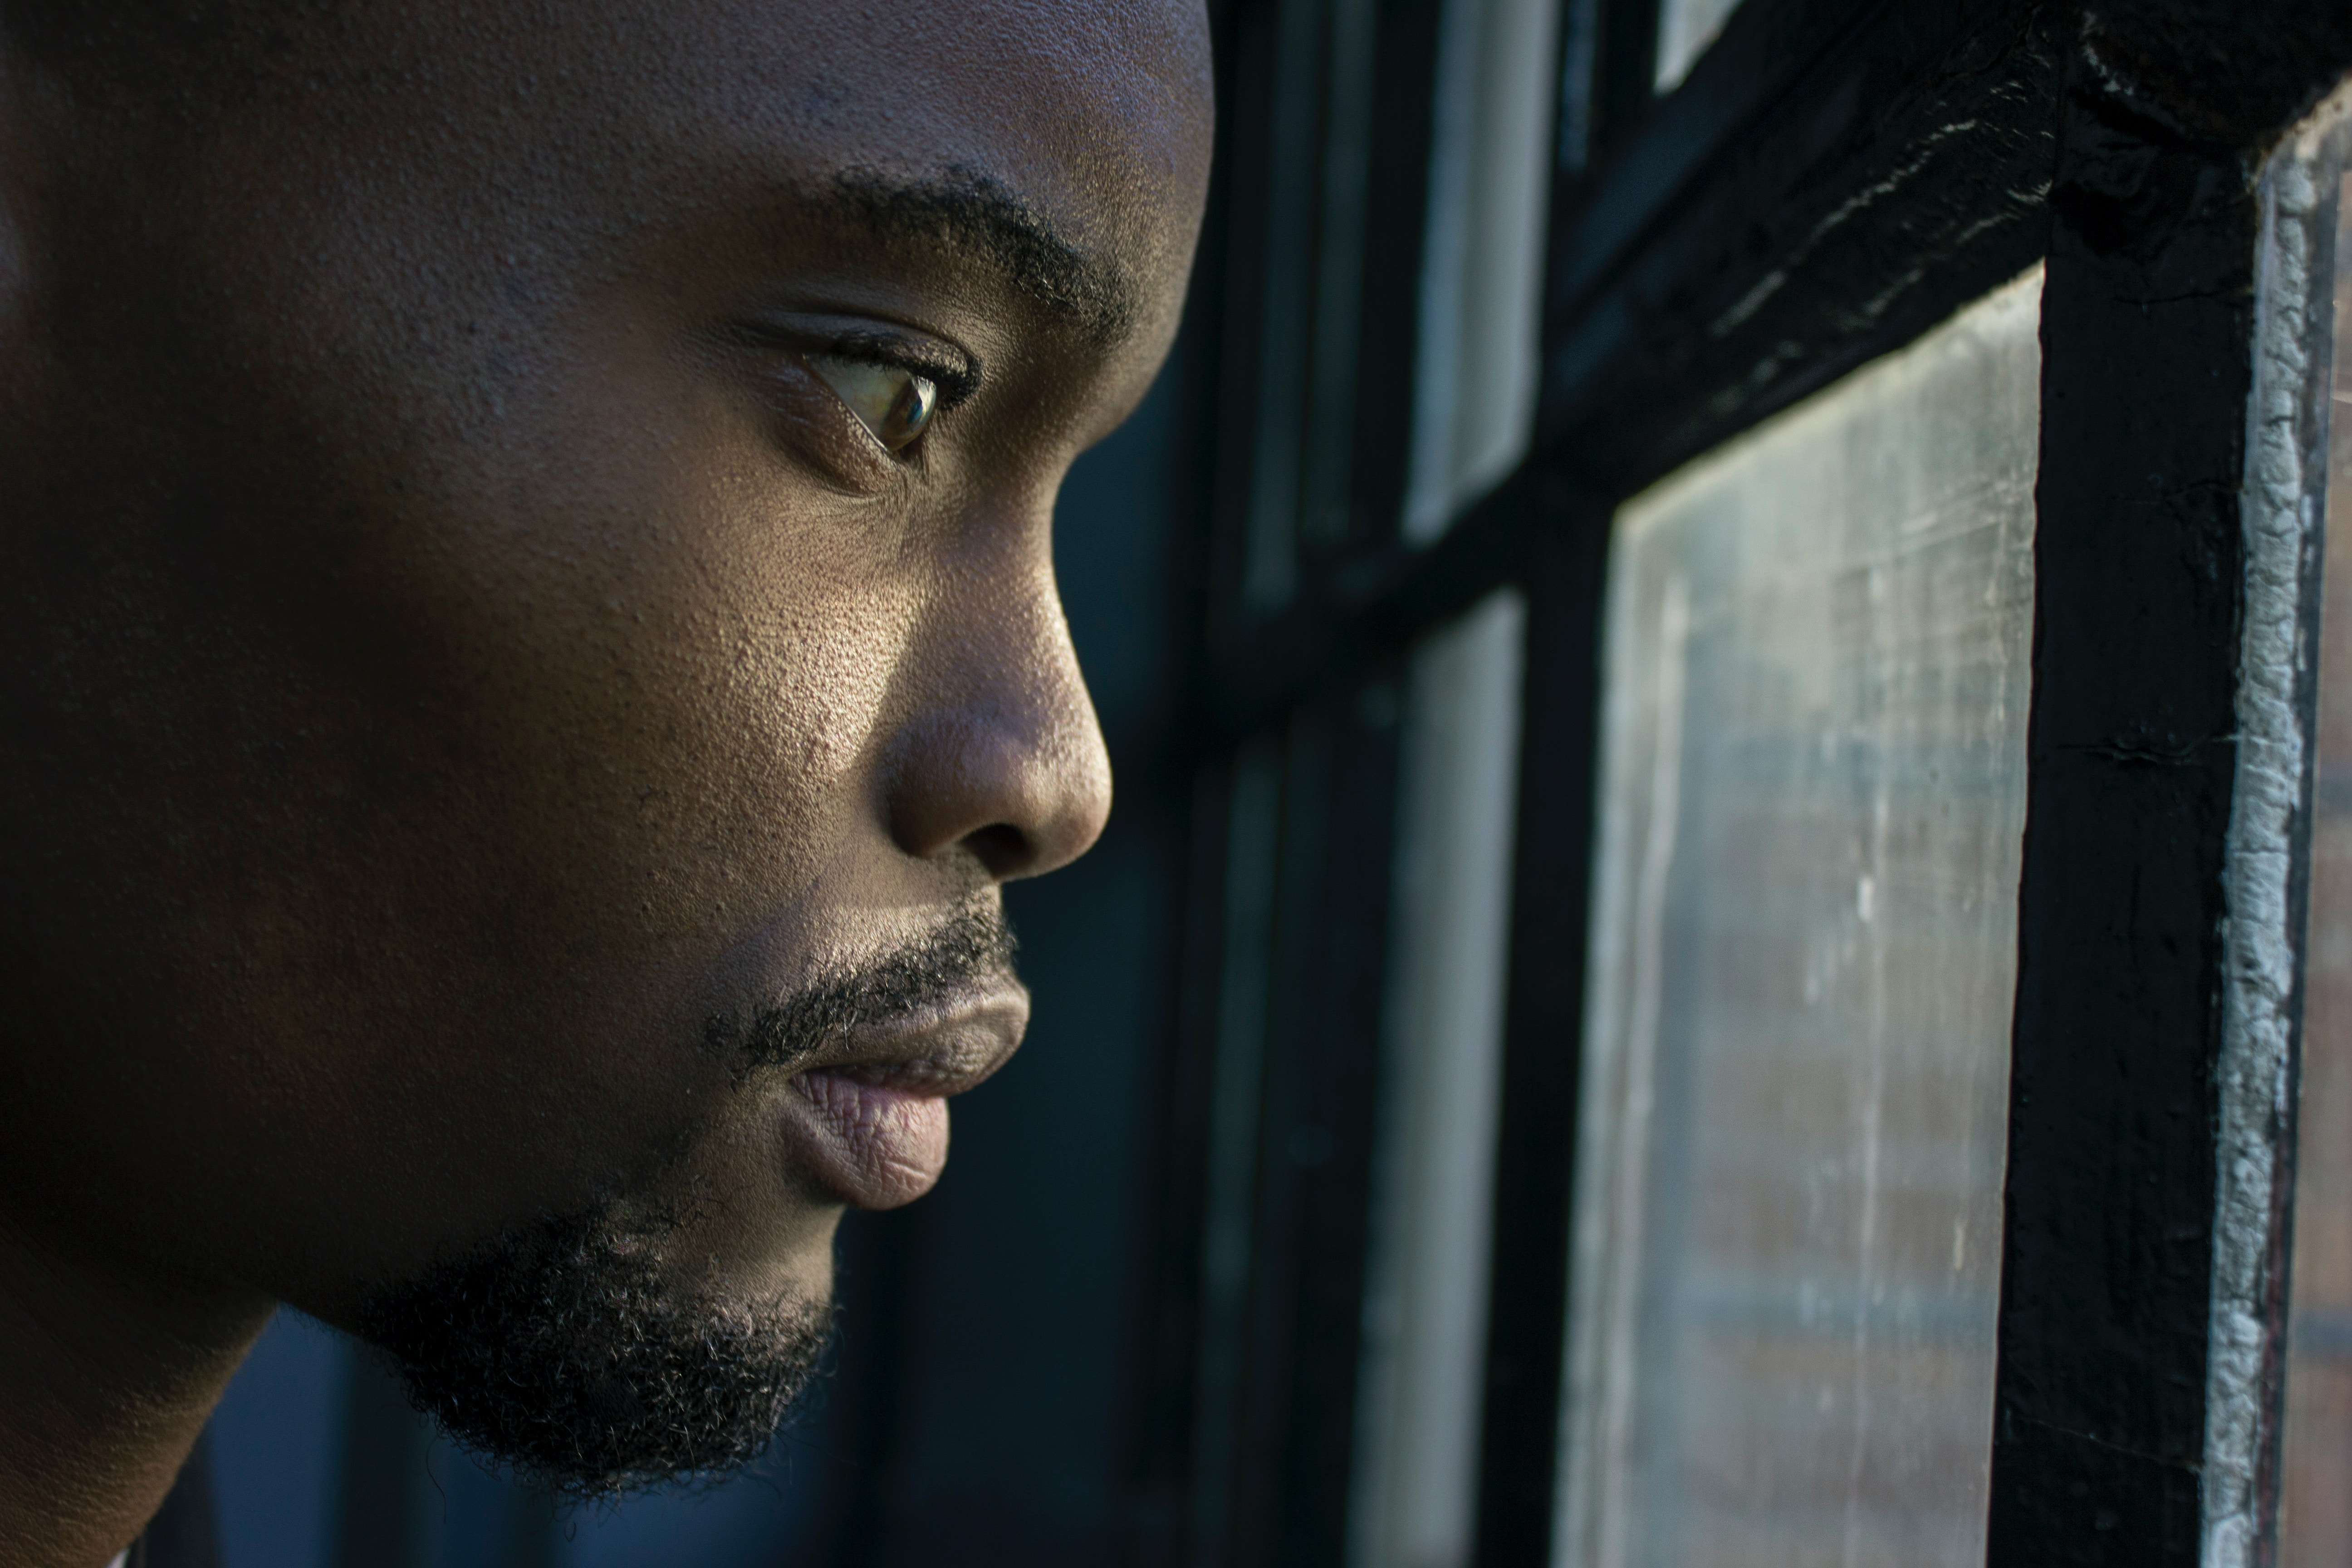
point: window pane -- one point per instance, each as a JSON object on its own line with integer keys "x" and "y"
{"x": 1685, "y": 28}
{"x": 1788, "y": 1244}
{"x": 1425, "y": 1302}
{"x": 1482, "y": 257}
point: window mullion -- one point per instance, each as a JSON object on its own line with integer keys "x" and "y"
{"x": 2109, "y": 1254}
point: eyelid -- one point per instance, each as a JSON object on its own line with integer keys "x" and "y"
{"x": 954, "y": 371}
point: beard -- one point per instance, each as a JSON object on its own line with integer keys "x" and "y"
{"x": 568, "y": 1354}
{"x": 565, "y": 1351}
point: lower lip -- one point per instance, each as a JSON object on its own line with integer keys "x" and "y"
{"x": 872, "y": 1144}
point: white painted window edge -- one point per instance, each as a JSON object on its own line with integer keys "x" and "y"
{"x": 2280, "y": 512}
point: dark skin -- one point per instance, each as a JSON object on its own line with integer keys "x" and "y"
{"x": 458, "y": 643}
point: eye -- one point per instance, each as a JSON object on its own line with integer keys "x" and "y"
{"x": 889, "y": 400}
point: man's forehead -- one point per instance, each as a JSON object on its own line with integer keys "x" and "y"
{"x": 1121, "y": 87}
{"x": 1062, "y": 149}
{"x": 1089, "y": 116}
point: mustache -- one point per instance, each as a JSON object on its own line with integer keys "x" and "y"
{"x": 976, "y": 944}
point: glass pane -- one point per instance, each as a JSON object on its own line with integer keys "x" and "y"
{"x": 1787, "y": 1245}
{"x": 1481, "y": 258}
{"x": 1685, "y": 28}
{"x": 2316, "y": 1512}
{"x": 1425, "y": 1297}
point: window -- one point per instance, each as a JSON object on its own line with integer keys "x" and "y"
{"x": 1887, "y": 1163}
{"x": 1725, "y": 718}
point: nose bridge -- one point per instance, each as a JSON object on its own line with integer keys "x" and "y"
{"x": 1001, "y": 751}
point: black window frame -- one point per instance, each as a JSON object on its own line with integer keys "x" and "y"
{"x": 1830, "y": 179}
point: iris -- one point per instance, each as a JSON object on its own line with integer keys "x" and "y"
{"x": 889, "y": 400}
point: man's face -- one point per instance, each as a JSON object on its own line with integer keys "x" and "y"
{"x": 516, "y": 711}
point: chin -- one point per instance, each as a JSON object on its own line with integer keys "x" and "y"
{"x": 572, "y": 1352}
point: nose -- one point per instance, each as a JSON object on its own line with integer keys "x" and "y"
{"x": 1001, "y": 756}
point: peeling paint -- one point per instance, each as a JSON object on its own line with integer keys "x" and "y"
{"x": 2285, "y": 486}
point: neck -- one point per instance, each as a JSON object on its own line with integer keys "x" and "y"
{"x": 106, "y": 1378}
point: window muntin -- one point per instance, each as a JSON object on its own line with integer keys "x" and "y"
{"x": 1787, "y": 1257}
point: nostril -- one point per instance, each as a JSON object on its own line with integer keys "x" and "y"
{"x": 1003, "y": 848}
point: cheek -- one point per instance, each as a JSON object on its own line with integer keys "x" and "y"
{"x": 731, "y": 651}
{"x": 687, "y": 676}
{"x": 788, "y": 722}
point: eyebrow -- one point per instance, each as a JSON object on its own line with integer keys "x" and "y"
{"x": 972, "y": 214}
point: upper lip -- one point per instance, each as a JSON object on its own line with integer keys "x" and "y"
{"x": 943, "y": 1047}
